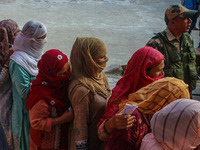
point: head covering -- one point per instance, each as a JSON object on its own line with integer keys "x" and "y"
{"x": 156, "y": 95}
{"x": 175, "y": 10}
{"x": 135, "y": 75}
{"x": 177, "y": 126}
{"x": 47, "y": 85}
{"x": 85, "y": 69}
{"x": 134, "y": 78}
{"x": 8, "y": 28}
{"x": 28, "y": 46}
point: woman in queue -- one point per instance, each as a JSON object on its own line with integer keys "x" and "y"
{"x": 8, "y": 31}
{"x": 28, "y": 48}
{"x": 145, "y": 67}
{"x": 88, "y": 92}
{"x": 48, "y": 103}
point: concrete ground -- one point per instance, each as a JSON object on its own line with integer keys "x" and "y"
{"x": 196, "y": 92}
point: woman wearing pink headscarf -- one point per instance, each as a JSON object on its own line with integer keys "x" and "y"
{"x": 145, "y": 66}
{"x": 8, "y": 31}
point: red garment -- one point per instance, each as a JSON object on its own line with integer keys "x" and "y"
{"x": 49, "y": 87}
{"x": 129, "y": 139}
{"x": 134, "y": 77}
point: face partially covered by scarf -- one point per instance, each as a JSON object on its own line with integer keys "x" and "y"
{"x": 49, "y": 86}
{"x": 28, "y": 46}
{"x": 88, "y": 59}
{"x": 87, "y": 49}
{"x": 29, "y": 39}
{"x": 8, "y": 28}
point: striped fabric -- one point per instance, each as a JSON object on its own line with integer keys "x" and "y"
{"x": 175, "y": 127}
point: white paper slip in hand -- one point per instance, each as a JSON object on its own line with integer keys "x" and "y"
{"x": 128, "y": 109}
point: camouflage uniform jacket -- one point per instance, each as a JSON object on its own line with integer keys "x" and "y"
{"x": 180, "y": 56}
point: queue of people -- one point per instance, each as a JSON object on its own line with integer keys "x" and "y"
{"x": 50, "y": 102}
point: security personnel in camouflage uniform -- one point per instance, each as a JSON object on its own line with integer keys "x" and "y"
{"x": 177, "y": 45}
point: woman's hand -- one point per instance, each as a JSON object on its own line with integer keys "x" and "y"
{"x": 119, "y": 121}
{"x": 67, "y": 116}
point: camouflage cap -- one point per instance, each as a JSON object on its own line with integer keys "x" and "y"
{"x": 178, "y": 10}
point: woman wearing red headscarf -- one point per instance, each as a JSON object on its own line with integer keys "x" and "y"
{"x": 145, "y": 66}
{"x": 48, "y": 104}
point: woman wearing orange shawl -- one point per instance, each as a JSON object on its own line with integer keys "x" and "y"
{"x": 48, "y": 104}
